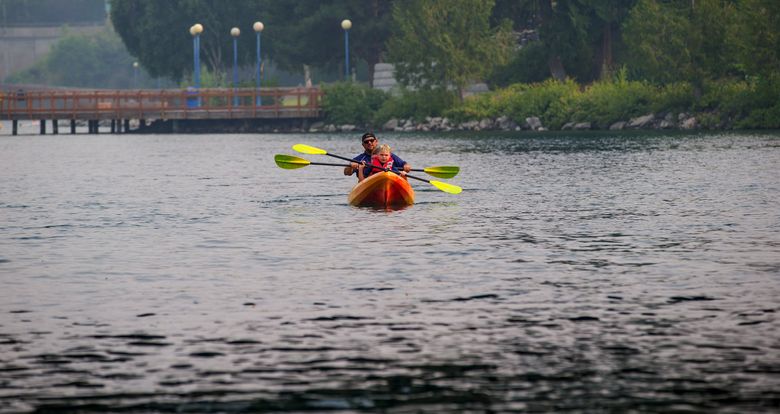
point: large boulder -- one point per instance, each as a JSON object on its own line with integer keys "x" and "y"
{"x": 617, "y": 126}
{"x": 534, "y": 123}
{"x": 390, "y": 125}
{"x": 505, "y": 123}
{"x": 688, "y": 123}
{"x": 641, "y": 121}
{"x": 469, "y": 125}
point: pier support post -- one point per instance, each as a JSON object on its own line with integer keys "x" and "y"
{"x": 113, "y": 126}
{"x": 55, "y": 126}
{"x": 72, "y": 126}
{"x": 127, "y": 125}
{"x": 43, "y": 126}
{"x": 14, "y": 127}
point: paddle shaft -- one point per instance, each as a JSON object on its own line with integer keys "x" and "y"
{"x": 398, "y": 172}
{"x": 327, "y": 163}
{"x": 290, "y": 162}
{"x": 352, "y": 160}
{"x": 367, "y": 165}
{"x": 347, "y": 165}
{"x": 446, "y": 172}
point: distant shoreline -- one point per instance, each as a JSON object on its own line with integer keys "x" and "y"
{"x": 31, "y": 128}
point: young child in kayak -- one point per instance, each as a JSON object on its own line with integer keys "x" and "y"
{"x": 382, "y": 157}
{"x": 370, "y": 143}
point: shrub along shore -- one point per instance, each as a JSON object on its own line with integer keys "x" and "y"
{"x": 613, "y": 104}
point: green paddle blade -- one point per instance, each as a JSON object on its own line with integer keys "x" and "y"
{"x": 308, "y": 149}
{"x": 443, "y": 171}
{"x": 447, "y": 188}
{"x": 288, "y": 162}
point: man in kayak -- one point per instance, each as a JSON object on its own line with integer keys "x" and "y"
{"x": 383, "y": 159}
{"x": 370, "y": 142}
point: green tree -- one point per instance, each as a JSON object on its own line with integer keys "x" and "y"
{"x": 97, "y": 60}
{"x": 446, "y": 42}
{"x": 304, "y": 32}
{"x": 680, "y": 40}
{"x": 580, "y": 37}
{"x": 157, "y": 33}
{"x": 606, "y": 18}
{"x": 308, "y": 32}
{"x": 756, "y": 37}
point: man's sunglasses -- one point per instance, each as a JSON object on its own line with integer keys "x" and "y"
{"x": 366, "y": 141}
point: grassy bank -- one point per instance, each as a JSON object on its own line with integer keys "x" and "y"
{"x": 724, "y": 104}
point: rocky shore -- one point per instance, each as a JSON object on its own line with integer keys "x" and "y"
{"x": 661, "y": 121}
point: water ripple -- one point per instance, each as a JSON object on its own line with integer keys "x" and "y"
{"x": 575, "y": 273}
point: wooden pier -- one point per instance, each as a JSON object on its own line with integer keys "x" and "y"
{"x": 176, "y": 107}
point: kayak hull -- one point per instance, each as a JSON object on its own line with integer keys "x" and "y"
{"x": 382, "y": 190}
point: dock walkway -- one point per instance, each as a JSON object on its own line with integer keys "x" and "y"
{"x": 177, "y": 105}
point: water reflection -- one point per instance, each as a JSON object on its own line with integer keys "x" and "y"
{"x": 575, "y": 273}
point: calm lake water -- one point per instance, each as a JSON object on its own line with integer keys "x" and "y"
{"x": 575, "y": 273}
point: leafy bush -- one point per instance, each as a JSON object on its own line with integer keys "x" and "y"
{"x": 415, "y": 104}
{"x": 519, "y": 101}
{"x": 765, "y": 109}
{"x": 606, "y": 102}
{"x": 762, "y": 118}
{"x": 480, "y": 106}
{"x": 753, "y": 103}
{"x": 348, "y": 102}
{"x": 547, "y": 100}
{"x": 678, "y": 96}
{"x": 726, "y": 95}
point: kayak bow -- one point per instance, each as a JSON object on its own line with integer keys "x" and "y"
{"x": 382, "y": 190}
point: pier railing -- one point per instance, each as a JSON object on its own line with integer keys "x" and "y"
{"x": 222, "y": 103}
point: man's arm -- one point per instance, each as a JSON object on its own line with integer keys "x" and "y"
{"x": 401, "y": 164}
{"x": 354, "y": 165}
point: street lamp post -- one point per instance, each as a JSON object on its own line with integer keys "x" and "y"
{"x": 195, "y": 31}
{"x": 346, "y": 25}
{"x": 258, "y": 27}
{"x": 235, "y": 32}
{"x": 135, "y": 75}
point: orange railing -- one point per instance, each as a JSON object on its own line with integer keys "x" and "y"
{"x": 161, "y": 104}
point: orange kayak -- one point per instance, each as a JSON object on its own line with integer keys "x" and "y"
{"x": 383, "y": 190}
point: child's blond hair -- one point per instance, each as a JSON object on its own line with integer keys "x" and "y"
{"x": 382, "y": 148}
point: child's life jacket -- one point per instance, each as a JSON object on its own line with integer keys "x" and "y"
{"x": 384, "y": 167}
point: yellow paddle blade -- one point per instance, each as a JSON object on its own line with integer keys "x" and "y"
{"x": 288, "y": 162}
{"x": 447, "y": 188}
{"x": 308, "y": 149}
{"x": 443, "y": 171}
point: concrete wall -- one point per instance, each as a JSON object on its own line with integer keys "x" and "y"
{"x": 22, "y": 47}
{"x": 384, "y": 77}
